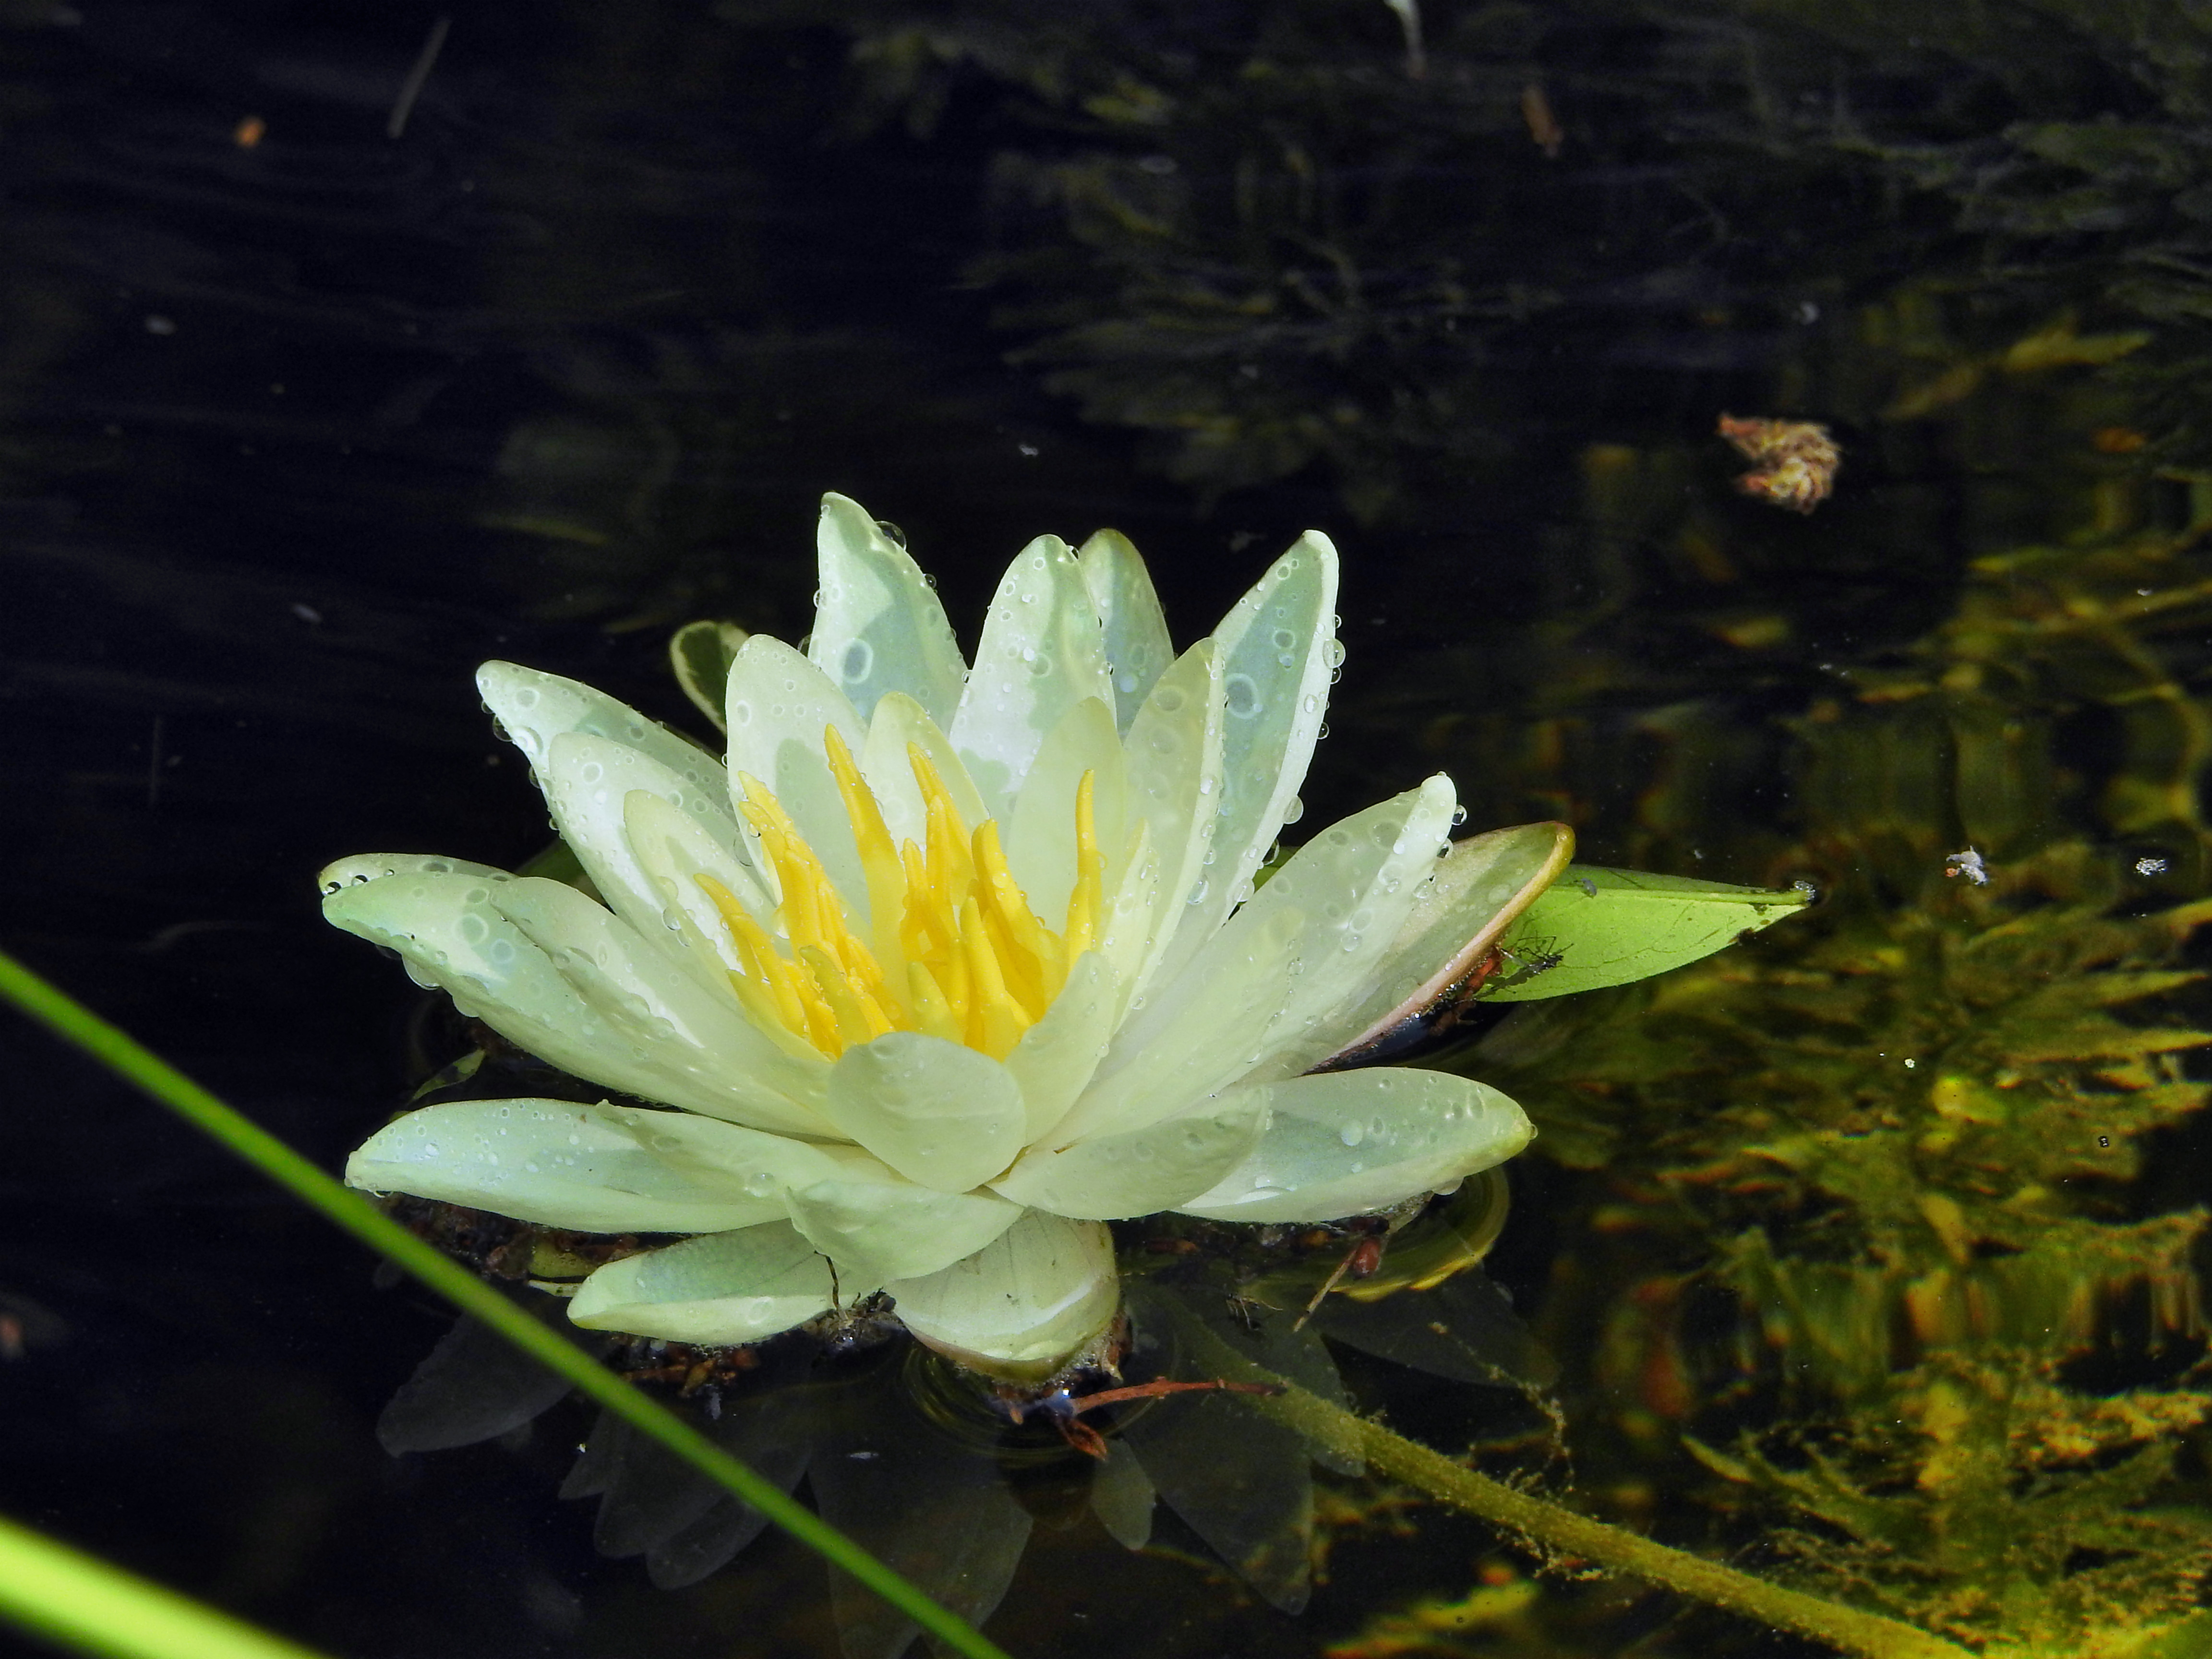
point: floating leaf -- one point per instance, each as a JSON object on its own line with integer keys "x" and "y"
{"x": 700, "y": 653}
{"x": 1594, "y": 927}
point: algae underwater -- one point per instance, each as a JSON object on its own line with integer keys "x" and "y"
{"x": 566, "y": 364}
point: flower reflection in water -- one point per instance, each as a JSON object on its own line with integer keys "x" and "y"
{"x": 924, "y": 1463}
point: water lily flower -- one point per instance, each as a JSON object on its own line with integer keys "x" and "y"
{"x": 948, "y": 967}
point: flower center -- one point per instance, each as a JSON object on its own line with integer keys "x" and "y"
{"x": 952, "y": 948}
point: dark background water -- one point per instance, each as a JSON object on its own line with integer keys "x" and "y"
{"x": 295, "y": 432}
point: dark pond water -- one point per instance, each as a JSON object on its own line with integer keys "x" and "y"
{"x": 1865, "y": 1254}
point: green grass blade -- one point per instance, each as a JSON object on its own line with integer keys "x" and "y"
{"x": 81, "y": 1601}
{"x": 121, "y": 1054}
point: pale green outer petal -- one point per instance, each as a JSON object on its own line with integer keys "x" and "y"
{"x": 375, "y": 867}
{"x": 1131, "y": 926}
{"x": 554, "y": 1162}
{"x": 696, "y": 1030}
{"x": 900, "y": 725}
{"x": 1040, "y": 841}
{"x": 1351, "y": 1141}
{"x": 878, "y": 625}
{"x": 1175, "y": 786}
{"x": 780, "y": 705}
{"x": 1478, "y": 891}
{"x": 1275, "y": 655}
{"x": 892, "y": 1228}
{"x": 943, "y": 1116}
{"x": 1042, "y": 653}
{"x": 1138, "y": 649}
{"x": 1112, "y": 1177}
{"x": 587, "y": 782}
{"x": 533, "y": 708}
{"x": 764, "y": 1162}
{"x": 1025, "y": 1304}
{"x": 1056, "y": 1057}
{"x": 452, "y": 939}
{"x": 1355, "y": 884}
{"x": 1216, "y": 1032}
{"x": 717, "y": 1291}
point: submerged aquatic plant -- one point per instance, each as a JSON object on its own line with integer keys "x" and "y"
{"x": 872, "y": 1064}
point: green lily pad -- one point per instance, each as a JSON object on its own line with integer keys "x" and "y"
{"x": 1594, "y": 927}
{"x": 700, "y": 653}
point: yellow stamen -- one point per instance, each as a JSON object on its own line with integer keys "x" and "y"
{"x": 1090, "y": 869}
{"x": 958, "y": 954}
{"x": 880, "y": 858}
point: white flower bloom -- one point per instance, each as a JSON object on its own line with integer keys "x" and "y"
{"x": 950, "y": 967}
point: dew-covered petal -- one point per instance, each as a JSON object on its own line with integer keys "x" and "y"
{"x": 694, "y": 1030}
{"x": 1132, "y": 926}
{"x": 1137, "y": 648}
{"x": 1354, "y": 885}
{"x": 717, "y": 1291}
{"x": 1217, "y": 1032}
{"x": 1174, "y": 784}
{"x": 1351, "y": 1141}
{"x": 878, "y": 624}
{"x": 455, "y": 938}
{"x": 1056, "y": 1057}
{"x": 780, "y": 706}
{"x": 941, "y": 1114}
{"x": 674, "y": 850}
{"x": 1113, "y": 1177}
{"x": 1276, "y": 653}
{"x": 1041, "y": 840}
{"x": 533, "y": 708}
{"x": 891, "y": 1229}
{"x": 363, "y": 867}
{"x": 587, "y": 782}
{"x": 554, "y": 1162}
{"x": 1025, "y": 1304}
{"x": 1042, "y": 653}
{"x": 1478, "y": 891}
{"x": 900, "y": 727}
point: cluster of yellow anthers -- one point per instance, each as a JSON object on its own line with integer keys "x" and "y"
{"x": 967, "y": 960}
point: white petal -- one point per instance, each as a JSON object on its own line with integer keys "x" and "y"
{"x": 1474, "y": 895}
{"x": 1112, "y": 1177}
{"x": 673, "y": 849}
{"x": 453, "y": 938}
{"x": 1275, "y": 654}
{"x": 375, "y": 867}
{"x": 1042, "y": 653}
{"x": 717, "y": 1291}
{"x": 554, "y": 1162}
{"x": 1354, "y": 884}
{"x": 1022, "y": 1306}
{"x": 587, "y": 782}
{"x": 533, "y": 708}
{"x": 892, "y": 1228}
{"x": 1138, "y": 649}
{"x": 780, "y": 705}
{"x": 900, "y": 727}
{"x": 879, "y": 626}
{"x": 1175, "y": 786}
{"x": 1350, "y": 1141}
{"x": 1132, "y": 928}
{"x": 941, "y": 1114}
{"x": 696, "y": 1030}
{"x": 1056, "y": 1057}
{"x": 1216, "y": 1033}
{"x": 1041, "y": 839}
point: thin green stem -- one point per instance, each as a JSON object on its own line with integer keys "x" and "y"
{"x": 1560, "y": 1530}
{"x": 81, "y": 1601}
{"x": 118, "y": 1051}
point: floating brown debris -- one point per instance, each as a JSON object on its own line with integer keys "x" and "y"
{"x": 1793, "y": 462}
